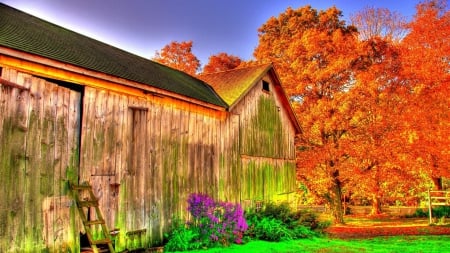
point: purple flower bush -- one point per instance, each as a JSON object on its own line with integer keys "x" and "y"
{"x": 216, "y": 221}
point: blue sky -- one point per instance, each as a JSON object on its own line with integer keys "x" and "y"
{"x": 144, "y": 26}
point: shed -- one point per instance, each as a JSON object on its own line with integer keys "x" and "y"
{"x": 145, "y": 136}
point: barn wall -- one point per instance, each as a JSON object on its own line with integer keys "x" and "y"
{"x": 266, "y": 146}
{"x": 39, "y": 123}
{"x": 144, "y": 157}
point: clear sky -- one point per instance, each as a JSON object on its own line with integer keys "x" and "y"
{"x": 144, "y": 26}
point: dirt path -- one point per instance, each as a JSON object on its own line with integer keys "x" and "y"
{"x": 361, "y": 227}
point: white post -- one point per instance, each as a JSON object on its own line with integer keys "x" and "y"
{"x": 429, "y": 206}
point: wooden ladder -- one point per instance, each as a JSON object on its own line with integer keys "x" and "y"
{"x": 104, "y": 243}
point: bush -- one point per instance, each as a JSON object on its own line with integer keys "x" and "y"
{"x": 420, "y": 213}
{"x": 437, "y": 212}
{"x": 441, "y": 211}
{"x": 213, "y": 223}
{"x": 273, "y": 230}
{"x": 277, "y": 222}
{"x": 183, "y": 238}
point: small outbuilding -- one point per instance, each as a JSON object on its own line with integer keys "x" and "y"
{"x": 143, "y": 135}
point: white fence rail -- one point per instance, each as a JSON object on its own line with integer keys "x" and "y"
{"x": 437, "y": 198}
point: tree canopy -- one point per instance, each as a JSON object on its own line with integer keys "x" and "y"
{"x": 221, "y": 62}
{"x": 373, "y": 105}
{"x": 179, "y": 55}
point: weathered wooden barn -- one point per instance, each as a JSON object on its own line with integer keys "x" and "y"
{"x": 145, "y": 136}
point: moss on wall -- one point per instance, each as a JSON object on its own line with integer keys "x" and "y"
{"x": 264, "y": 136}
{"x": 267, "y": 180}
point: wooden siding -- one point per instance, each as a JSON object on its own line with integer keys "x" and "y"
{"x": 144, "y": 158}
{"x": 266, "y": 146}
{"x": 143, "y": 155}
{"x": 39, "y": 136}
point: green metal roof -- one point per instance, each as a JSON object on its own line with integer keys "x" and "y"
{"x": 21, "y": 31}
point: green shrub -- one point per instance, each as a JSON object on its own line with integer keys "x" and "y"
{"x": 303, "y": 232}
{"x": 182, "y": 238}
{"x": 306, "y": 218}
{"x": 441, "y": 211}
{"x": 280, "y": 211}
{"x": 437, "y": 212}
{"x": 273, "y": 230}
{"x": 277, "y": 222}
{"x": 420, "y": 213}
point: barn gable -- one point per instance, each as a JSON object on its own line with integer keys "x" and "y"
{"x": 267, "y": 129}
{"x": 233, "y": 85}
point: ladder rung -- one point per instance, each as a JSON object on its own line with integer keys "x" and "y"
{"x": 101, "y": 241}
{"x": 94, "y": 222}
{"x": 88, "y": 203}
{"x": 92, "y": 202}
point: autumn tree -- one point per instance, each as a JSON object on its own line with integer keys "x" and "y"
{"x": 374, "y": 22}
{"x": 179, "y": 55}
{"x": 313, "y": 53}
{"x": 426, "y": 69}
{"x": 221, "y": 62}
{"x": 380, "y": 154}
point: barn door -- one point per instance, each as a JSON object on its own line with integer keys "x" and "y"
{"x": 39, "y": 150}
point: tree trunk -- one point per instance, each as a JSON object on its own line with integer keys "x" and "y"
{"x": 336, "y": 202}
{"x": 376, "y": 205}
{"x": 437, "y": 183}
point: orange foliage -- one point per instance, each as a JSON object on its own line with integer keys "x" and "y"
{"x": 179, "y": 55}
{"x": 221, "y": 62}
{"x": 426, "y": 59}
{"x": 374, "y": 114}
{"x": 313, "y": 52}
{"x": 381, "y": 151}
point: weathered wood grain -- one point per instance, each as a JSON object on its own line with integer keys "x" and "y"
{"x": 143, "y": 157}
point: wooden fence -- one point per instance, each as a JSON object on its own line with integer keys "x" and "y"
{"x": 437, "y": 198}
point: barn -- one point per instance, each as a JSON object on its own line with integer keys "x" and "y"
{"x": 74, "y": 110}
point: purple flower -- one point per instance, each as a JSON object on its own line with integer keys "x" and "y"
{"x": 217, "y": 220}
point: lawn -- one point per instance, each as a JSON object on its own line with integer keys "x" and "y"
{"x": 403, "y": 244}
{"x": 360, "y": 234}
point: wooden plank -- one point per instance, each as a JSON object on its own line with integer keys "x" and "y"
{"x": 4, "y": 94}
{"x": 158, "y": 173}
{"x": 87, "y": 138}
{"x": 61, "y": 97}
{"x": 99, "y": 133}
{"x": 183, "y": 162}
{"x": 110, "y": 135}
{"x": 15, "y": 179}
{"x": 199, "y": 155}
{"x": 142, "y": 168}
{"x": 192, "y": 153}
{"x": 33, "y": 219}
{"x": 175, "y": 140}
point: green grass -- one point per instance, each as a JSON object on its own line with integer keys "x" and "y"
{"x": 402, "y": 244}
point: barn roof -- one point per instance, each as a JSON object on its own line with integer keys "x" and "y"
{"x": 233, "y": 85}
{"x": 23, "y": 32}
